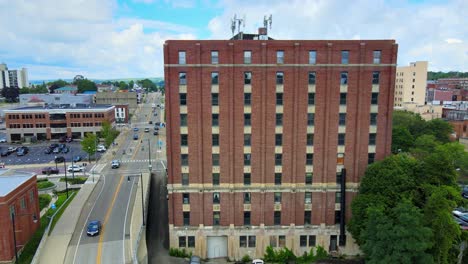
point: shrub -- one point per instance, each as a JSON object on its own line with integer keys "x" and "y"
{"x": 44, "y": 200}
{"x": 76, "y": 180}
{"x": 246, "y": 259}
{"x": 179, "y": 253}
{"x": 281, "y": 255}
{"x": 44, "y": 184}
{"x": 42, "y": 180}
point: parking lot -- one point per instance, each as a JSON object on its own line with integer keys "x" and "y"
{"x": 36, "y": 154}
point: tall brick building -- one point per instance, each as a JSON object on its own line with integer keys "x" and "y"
{"x": 268, "y": 139}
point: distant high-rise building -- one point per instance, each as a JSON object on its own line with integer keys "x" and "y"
{"x": 13, "y": 78}
{"x": 267, "y": 140}
{"x": 410, "y": 84}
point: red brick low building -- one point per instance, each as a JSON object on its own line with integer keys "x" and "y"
{"x": 18, "y": 196}
{"x": 55, "y": 122}
{"x": 267, "y": 140}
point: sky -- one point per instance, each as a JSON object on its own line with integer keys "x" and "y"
{"x": 107, "y": 39}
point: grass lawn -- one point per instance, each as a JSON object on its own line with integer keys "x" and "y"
{"x": 30, "y": 248}
{"x": 44, "y": 184}
{"x": 76, "y": 180}
{"x": 44, "y": 200}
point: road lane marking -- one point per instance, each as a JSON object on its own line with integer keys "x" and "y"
{"x": 109, "y": 210}
{"x": 125, "y": 222}
{"x": 87, "y": 219}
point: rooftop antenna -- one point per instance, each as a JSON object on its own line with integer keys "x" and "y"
{"x": 237, "y": 22}
{"x": 267, "y": 21}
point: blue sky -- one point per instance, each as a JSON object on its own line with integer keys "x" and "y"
{"x": 124, "y": 38}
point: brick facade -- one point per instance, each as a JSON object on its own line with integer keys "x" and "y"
{"x": 263, "y": 109}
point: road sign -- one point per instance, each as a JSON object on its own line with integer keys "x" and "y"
{"x": 53, "y": 206}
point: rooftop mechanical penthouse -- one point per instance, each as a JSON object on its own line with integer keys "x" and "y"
{"x": 268, "y": 140}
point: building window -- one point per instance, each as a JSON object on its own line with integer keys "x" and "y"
{"x": 214, "y": 57}
{"x": 191, "y": 241}
{"x": 375, "y": 77}
{"x": 278, "y": 159}
{"x": 247, "y": 198}
{"x": 312, "y": 77}
{"x": 337, "y": 217}
{"x": 214, "y": 99}
{"x": 215, "y": 139}
{"x": 273, "y": 242}
{"x": 277, "y": 196}
{"x": 370, "y": 158}
{"x": 338, "y": 177}
{"x": 247, "y": 78}
{"x": 247, "y": 121}
{"x": 216, "y": 198}
{"x": 278, "y": 178}
{"x": 310, "y": 139}
{"x": 247, "y": 179}
{"x": 182, "y": 57}
{"x": 342, "y": 119}
{"x": 182, "y": 241}
{"x": 279, "y": 98}
{"x": 344, "y": 56}
{"x": 184, "y": 140}
{"x": 252, "y": 240}
{"x": 183, "y": 120}
{"x": 247, "y": 139}
{"x": 215, "y": 120}
{"x": 309, "y": 159}
{"x": 375, "y": 98}
{"x": 303, "y": 241}
{"x": 23, "y": 203}
{"x": 279, "y": 119}
{"x": 311, "y": 99}
{"x": 337, "y": 197}
{"x": 215, "y": 78}
{"x": 308, "y": 178}
{"x": 279, "y": 77}
{"x": 277, "y": 218}
{"x": 186, "y": 217}
{"x": 31, "y": 196}
{"x": 184, "y": 159}
{"x": 216, "y": 217}
{"x": 182, "y": 78}
{"x": 344, "y": 78}
{"x": 308, "y": 197}
{"x": 215, "y": 159}
{"x": 186, "y": 198}
{"x": 215, "y": 178}
{"x": 247, "y": 56}
{"x": 312, "y": 56}
{"x": 372, "y": 137}
{"x": 341, "y": 139}
{"x": 246, "y": 218}
{"x": 279, "y": 57}
{"x": 310, "y": 119}
{"x": 373, "y": 119}
{"x": 247, "y": 98}
{"x": 243, "y": 240}
{"x": 247, "y": 158}
{"x": 278, "y": 139}
{"x": 307, "y": 217}
{"x": 185, "y": 179}
{"x": 282, "y": 241}
{"x": 343, "y": 98}
{"x": 377, "y": 54}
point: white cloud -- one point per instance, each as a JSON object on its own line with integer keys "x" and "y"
{"x": 421, "y": 30}
{"x": 453, "y": 41}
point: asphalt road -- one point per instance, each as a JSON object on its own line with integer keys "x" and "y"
{"x": 112, "y": 200}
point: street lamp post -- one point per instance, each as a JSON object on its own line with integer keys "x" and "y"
{"x": 14, "y": 231}
{"x": 65, "y": 169}
{"x": 142, "y": 198}
{"x": 149, "y": 156}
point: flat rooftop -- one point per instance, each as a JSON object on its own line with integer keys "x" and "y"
{"x": 62, "y": 106}
{"x": 11, "y": 179}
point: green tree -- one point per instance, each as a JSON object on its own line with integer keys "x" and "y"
{"x": 122, "y": 85}
{"x": 57, "y": 84}
{"x": 409, "y": 120}
{"x": 11, "y": 94}
{"x": 402, "y": 140}
{"x": 108, "y": 133}
{"x": 88, "y": 144}
{"x": 130, "y": 84}
{"x": 396, "y": 237}
{"x": 86, "y": 85}
{"x": 424, "y": 146}
{"x": 440, "y": 129}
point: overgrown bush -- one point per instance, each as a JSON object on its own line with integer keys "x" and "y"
{"x": 44, "y": 200}
{"x": 320, "y": 253}
{"x": 284, "y": 255}
{"x": 246, "y": 259}
{"x": 76, "y": 180}
{"x": 179, "y": 253}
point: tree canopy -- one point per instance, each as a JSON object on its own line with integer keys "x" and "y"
{"x": 56, "y": 84}
{"x": 86, "y": 85}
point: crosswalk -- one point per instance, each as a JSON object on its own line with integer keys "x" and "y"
{"x": 137, "y": 161}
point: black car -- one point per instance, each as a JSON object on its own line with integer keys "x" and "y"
{"x": 61, "y": 146}
{"x": 52, "y": 146}
{"x": 77, "y": 158}
{"x": 65, "y": 150}
{"x": 50, "y": 170}
{"x": 21, "y": 151}
{"x": 155, "y": 133}
{"x": 59, "y": 159}
{"x": 47, "y": 151}
{"x": 5, "y": 153}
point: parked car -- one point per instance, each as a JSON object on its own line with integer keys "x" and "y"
{"x": 63, "y": 139}
{"x": 12, "y": 149}
{"x": 257, "y": 261}
{"x": 54, "y": 145}
{"x": 147, "y": 129}
{"x": 156, "y": 133}
{"x": 115, "y": 164}
{"x": 61, "y": 146}
{"x": 50, "y": 170}
{"x": 69, "y": 139}
{"x": 47, "y": 151}
{"x": 59, "y": 159}
{"x": 101, "y": 148}
{"x": 465, "y": 192}
{"x": 136, "y": 129}
{"x": 5, "y": 153}
{"x": 94, "y": 228}
{"x": 77, "y": 158}
{"x": 195, "y": 260}
{"x": 150, "y": 122}
{"x": 65, "y": 150}
{"x": 75, "y": 168}
{"x": 156, "y": 128}
{"x": 56, "y": 150}
{"x": 3, "y": 140}
{"x": 135, "y": 136}
{"x": 22, "y": 151}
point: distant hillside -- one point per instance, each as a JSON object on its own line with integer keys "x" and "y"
{"x": 153, "y": 79}
{"x": 441, "y": 75}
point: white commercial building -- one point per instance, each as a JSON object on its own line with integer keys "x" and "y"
{"x": 13, "y": 78}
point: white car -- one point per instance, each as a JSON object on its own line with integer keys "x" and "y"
{"x": 101, "y": 148}
{"x": 3, "y": 140}
{"x": 75, "y": 168}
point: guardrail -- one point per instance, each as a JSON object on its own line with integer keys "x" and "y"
{"x": 46, "y": 232}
